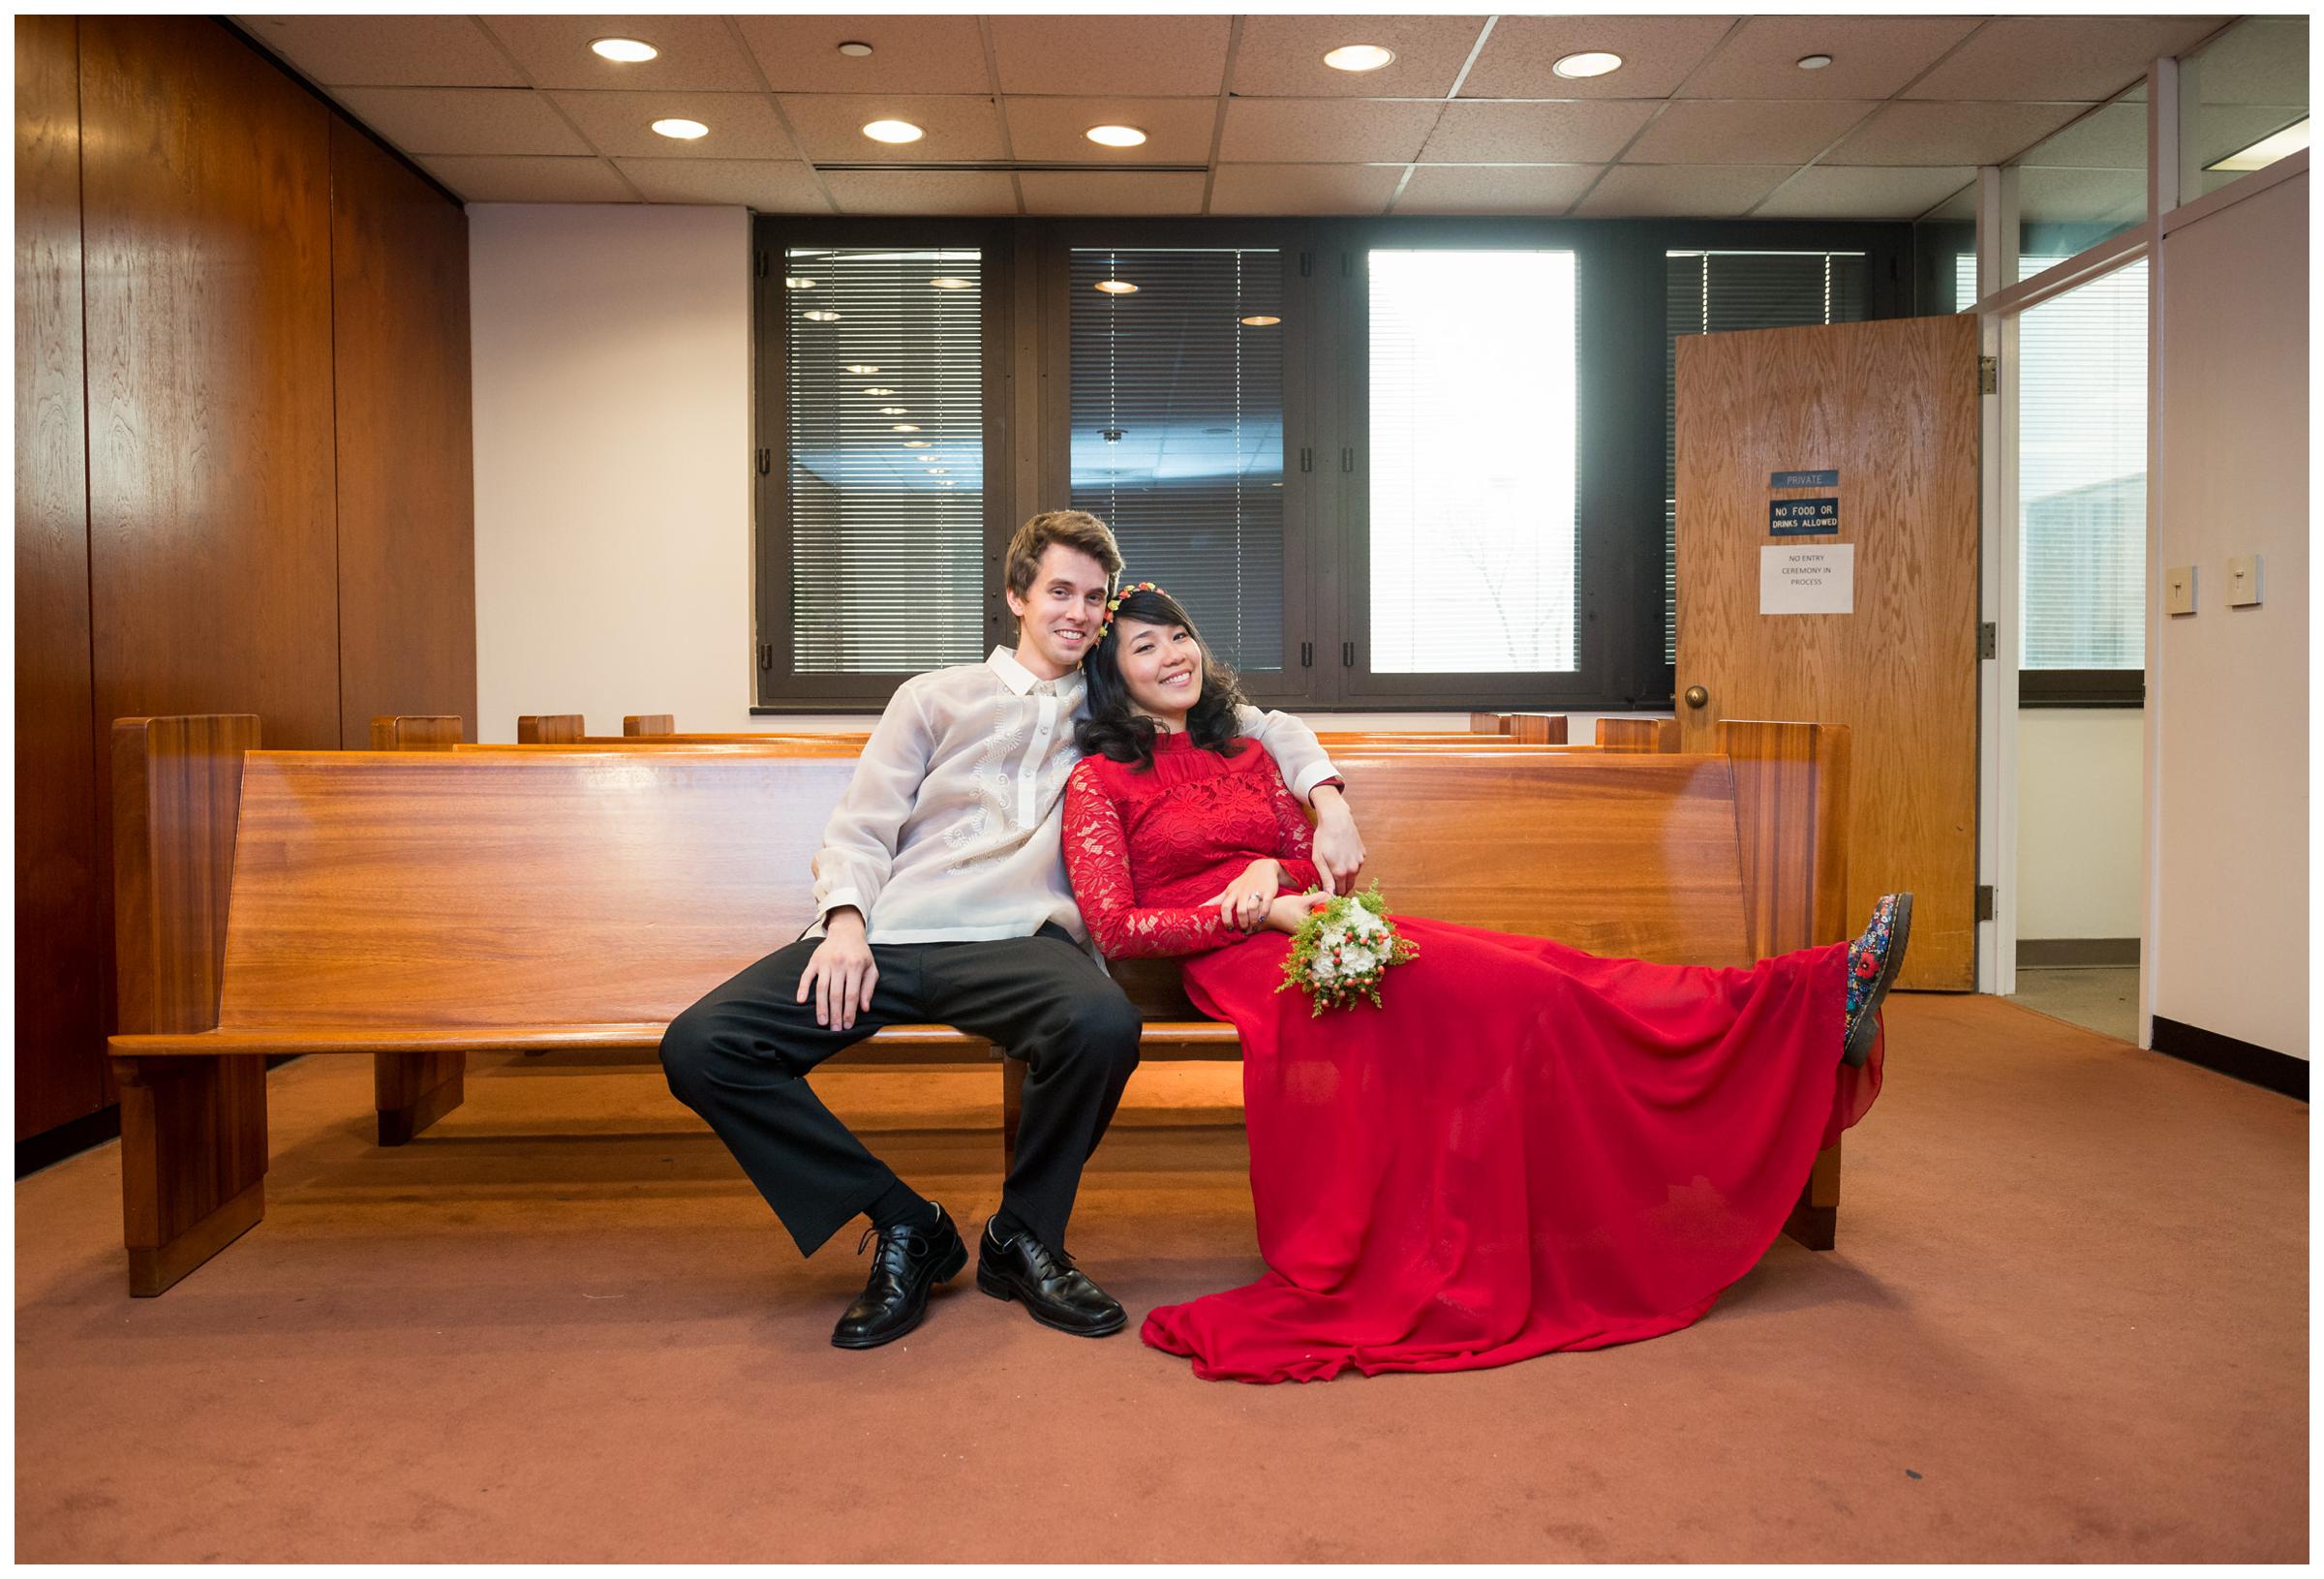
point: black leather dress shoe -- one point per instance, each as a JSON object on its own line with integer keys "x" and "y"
{"x": 1046, "y": 1283}
{"x": 912, "y": 1257}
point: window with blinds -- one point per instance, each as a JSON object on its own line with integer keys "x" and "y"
{"x": 883, "y": 362}
{"x": 1472, "y": 461}
{"x": 1177, "y": 411}
{"x": 1708, "y": 292}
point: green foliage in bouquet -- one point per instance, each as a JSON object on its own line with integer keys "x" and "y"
{"x": 1342, "y": 950}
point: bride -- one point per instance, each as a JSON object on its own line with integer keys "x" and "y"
{"x": 1526, "y": 1148}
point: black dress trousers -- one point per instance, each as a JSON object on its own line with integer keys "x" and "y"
{"x": 741, "y": 1056}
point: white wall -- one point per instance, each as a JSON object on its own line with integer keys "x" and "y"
{"x": 612, "y": 360}
{"x": 2228, "y": 689}
{"x": 2078, "y": 821}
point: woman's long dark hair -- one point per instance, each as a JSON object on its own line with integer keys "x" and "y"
{"x": 1114, "y": 728}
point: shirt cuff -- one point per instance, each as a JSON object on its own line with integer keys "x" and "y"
{"x": 1315, "y": 777}
{"x": 843, "y": 898}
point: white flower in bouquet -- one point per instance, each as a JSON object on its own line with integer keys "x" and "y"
{"x": 1342, "y": 950}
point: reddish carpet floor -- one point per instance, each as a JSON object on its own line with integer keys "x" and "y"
{"x": 2067, "y": 1320}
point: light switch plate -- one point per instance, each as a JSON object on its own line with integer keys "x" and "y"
{"x": 2179, "y": 590}
{"x": 2243, "y": 582}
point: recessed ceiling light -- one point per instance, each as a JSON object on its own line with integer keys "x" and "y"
{"x": 1259, "y": 320}
{"x": 855, "y": 48}
{"x": 685, "y": 131}
{"x": 820, "y": 317}
{"x": 906, "y": 427}
{"x": 1588, "y": 63}
{"x": 1117, "y": 287}
{"x": 895, "y": 411}
{"x": 629, "y": 51}
{"x": 949, "y": 284}
{"x": 893, "y": 132}
{"x": 1359, "y": 57}
{"x": 797, "y": 282}
{"x": 1115, "y": 137}
{"x": 1814, "y": 63}
{"x": 2267, "y": 150}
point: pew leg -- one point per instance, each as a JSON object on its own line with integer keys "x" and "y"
{"x": 193, "y": 1161}
{"x": 1815, "y": 1221}
{"x": 1011, "y": 1109}
{"x": 416, "y": 1089}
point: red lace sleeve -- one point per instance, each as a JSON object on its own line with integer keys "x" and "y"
{"x": 1298, "y": 855}
{"x": 1097, "y": 859}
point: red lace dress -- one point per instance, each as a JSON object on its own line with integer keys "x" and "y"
{"x": 1528, "y": 1148}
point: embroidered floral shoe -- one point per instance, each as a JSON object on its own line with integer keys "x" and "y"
{"x": 1872, "y": 963}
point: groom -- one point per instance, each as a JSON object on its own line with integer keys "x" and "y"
{"x": 940, "y": 895}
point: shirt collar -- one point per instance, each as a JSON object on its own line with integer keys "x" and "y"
{"x": 1021, "y": 681}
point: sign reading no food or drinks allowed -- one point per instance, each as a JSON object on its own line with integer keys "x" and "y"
{"x": 1802, "y": 517}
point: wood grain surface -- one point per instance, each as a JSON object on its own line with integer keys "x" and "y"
{"x": 1893, "y": 407}
{"x": 1639, "y": 734}
{"x": 405, "y": 477}
{"x": 438, "y": 732}
{"x": 59, "y": 1014}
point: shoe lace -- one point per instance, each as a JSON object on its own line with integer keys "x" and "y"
{"x": 895, "y": 1247}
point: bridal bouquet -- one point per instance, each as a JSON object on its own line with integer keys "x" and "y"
{"x": 1342, "y": 950}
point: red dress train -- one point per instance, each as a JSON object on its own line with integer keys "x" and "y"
{"x": 1528, "y": 1148}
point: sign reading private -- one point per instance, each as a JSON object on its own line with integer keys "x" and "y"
{"x": 1803, "y": 517}
{"x": 1803, "y": 479}
{"x": 1808, "y": 578}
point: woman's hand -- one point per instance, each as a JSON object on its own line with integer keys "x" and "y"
{"x": 1290, "y": 911}
{"x": 1244, "y": 903}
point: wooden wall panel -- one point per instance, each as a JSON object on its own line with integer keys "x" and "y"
{"x": 212, "y": 546}
{"x": 59, "y": 1069}
{"x": 407, "y": 494}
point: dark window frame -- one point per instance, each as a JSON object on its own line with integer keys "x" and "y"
{"x": 1028, "y": 467}
{"x": 2081, "y": 688}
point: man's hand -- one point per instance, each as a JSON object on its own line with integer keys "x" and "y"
{"x": 839, "y": 972}
{"x": 1243, "y": 906}
{"x": 1338, "y": 847}
{"x": 1289, "y": 911}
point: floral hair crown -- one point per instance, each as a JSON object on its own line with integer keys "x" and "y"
{"x": 1114, "y": 603}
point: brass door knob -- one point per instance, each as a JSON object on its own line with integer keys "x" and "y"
{"x": 1696, "y": 696}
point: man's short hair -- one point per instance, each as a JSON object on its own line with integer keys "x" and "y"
{"x": 1076, "y": 529}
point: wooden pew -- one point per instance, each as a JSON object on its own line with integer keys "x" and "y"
{"x": 409, "y": 732}
{"x": 429, "y": 903}
{"x": 1538, "y": 728}
{"x": 1637, "y": 734}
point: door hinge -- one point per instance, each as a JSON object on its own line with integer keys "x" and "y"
{"x": 1347, "y": 654}
{"x": 1984, "y": 901}
{"x": 765, "y": 460}
{"x": 766, "y": 655}
{"x": 1306, "y": 458}
{"x": 1306, "y": 654}
{"x": 1989, "y": 375}
{"x": 1988, "y": 640}
{"x": 1306, "y": 264}
{"x": 1347, "y": 460}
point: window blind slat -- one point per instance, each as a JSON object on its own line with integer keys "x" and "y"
{"x": 886, "y": 525}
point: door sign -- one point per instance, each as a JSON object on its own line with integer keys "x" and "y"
{"x": 1802, "y": 517}
{"x": 1803, "y": 479}
{"x": 1799, "y": 578}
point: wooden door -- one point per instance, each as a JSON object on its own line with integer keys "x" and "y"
{"x": 1891, "y": 408}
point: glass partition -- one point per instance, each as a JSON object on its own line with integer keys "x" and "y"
{"x": 2085, "y": 183}
{"x": 2243, "y": 101}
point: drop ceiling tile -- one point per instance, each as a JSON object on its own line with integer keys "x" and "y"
{"x": 1303, "y": 189}
{"x": 1656, "y": 54}
{"x": 1961, "y": 208}
{"x": 1575, "y": 132}
{"x": 1153, "y": 57}
{"x": 831, "y": 128}
{"x": 1871, "y": 56}
{"x": 2060, "y": 57}
{"x": 1909, "y": 132}
{"x": 2261, "y": 60}
{"x": 474, "y": 121}
{"x": 1177, "y": 131}
{"x": 1345, "y": 130}
{"x": 1740, "y": 131}
{"x": 1494, "y": 189}
{"x": 2112, "y": 137}
{"x": 1681, "y": 191}
{"x": 741, "y": 125}
{"x": 1825, "y": 191}
{"x": 698, "y": 53}
{"x": 1284, "y": 54}
{"x": 387, "y": 51}
{"x": 1113, "y": 191}
{"x": 771, "y": 186}
{"x": 909, "y": 54}
{"x": 530, "y": 180}
{"x": 922, "y": 192}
